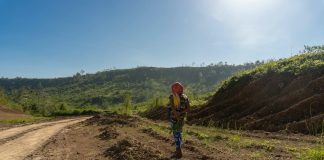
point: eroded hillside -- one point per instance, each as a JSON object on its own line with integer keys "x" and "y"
{"x": 283, "y": 95}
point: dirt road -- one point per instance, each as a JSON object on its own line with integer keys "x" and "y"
{"x": 19, "y": 142}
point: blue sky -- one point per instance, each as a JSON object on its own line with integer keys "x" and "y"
{"x": 55, "y": 38}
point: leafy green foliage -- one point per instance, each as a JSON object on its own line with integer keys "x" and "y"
{"x": 310, "y": 49}
{"x": 76, "y": 112}
{"x": 6, "y": 101}
{"x": 23, "y": 120}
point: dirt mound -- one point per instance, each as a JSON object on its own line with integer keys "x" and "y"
{"x": 6, "y": 113}
{"x": 272, "y": 102}
{"x": 108, "y": 133}
{"x": 131, "y": 149}
{"x": 156, "y": 135}
{"x": 156, "y": 113}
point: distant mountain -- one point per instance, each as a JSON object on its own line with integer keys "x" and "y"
{"x": 107, "y": 88}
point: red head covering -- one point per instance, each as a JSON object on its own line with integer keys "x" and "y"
{"x": 177, "y": 88}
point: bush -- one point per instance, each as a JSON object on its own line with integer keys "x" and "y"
{"x": 76, "y": 112}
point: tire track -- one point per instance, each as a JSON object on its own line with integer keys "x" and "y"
{"x": 24, "y": 145}
{"x": 4, "y": 134}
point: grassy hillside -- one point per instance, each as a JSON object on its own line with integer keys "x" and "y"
{"x": 115, "y": 87}
{"x": 287, "y": 94}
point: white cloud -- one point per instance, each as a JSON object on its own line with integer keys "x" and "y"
{"x": 253, "y": 23}
{"x": 245, "y": 20}
{"x": 236, "y": 9}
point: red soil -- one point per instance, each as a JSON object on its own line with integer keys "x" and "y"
{"x": 6, "y": 113}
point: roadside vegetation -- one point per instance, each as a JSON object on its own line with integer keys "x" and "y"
{"x": 24, "y": 120}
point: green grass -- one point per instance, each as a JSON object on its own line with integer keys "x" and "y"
{"x": 205, "y": 137}
{"x": 158, "y": 128}
{"x": 291, "y": 149}
{"x": 24, "y": 120}
{"x": 236, "y": 140}
{"x": 316, "y": 153}
{"x": 249, "y": 146}
{"x": 261, "y": 144}
{"x": 233, "y": 139}
{"x": 256, "y": 155}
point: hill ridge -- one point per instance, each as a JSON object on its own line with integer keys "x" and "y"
{"x": 282, "y": 95}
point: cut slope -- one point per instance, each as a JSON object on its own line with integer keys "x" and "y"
{"x": 283, "y": 95}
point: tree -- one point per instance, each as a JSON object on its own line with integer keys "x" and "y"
{"x": 82, "y": 72}
{"x": 220, "y": 63}
{"x": 308, "y": 49}
{"x": 127, "y": 102}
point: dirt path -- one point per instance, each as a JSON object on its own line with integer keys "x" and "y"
{"x": 19, "y": 130}
{"x": 17, "y": 143}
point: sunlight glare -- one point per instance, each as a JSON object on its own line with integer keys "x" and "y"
{"x": 241, "y": 8}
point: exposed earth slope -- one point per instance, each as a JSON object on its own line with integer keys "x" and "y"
{"x": 283, "y": 95}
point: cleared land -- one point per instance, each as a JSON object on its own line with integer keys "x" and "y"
{"x": 119, "y": 137}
